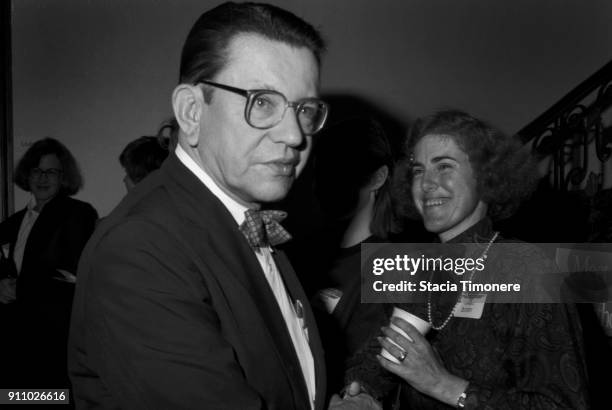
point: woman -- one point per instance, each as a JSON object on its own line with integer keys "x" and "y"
{"x": 352, "y": 163}
{"x": 461, "y": 174}
{"x": 44, "y": 242}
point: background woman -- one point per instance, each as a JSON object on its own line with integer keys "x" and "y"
{"x": 44, "y": 242}
{"x": 352, "y": 167}
{"x": 459, "y": 175}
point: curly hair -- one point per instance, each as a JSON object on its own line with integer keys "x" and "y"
{"x": 505, "y": 172}
{"x": 72, "y": 181}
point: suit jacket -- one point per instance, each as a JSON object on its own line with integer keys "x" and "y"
{"x": 55, "y": 242}
{"x": 35, "y": 327}
{"x": 172, "y": 309}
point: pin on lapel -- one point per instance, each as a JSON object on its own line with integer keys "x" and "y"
{"x": 299, "y": 309}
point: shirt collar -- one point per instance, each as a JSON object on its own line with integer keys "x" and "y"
{"x": 31, "y": 205}
{"x": 236, "y": 209}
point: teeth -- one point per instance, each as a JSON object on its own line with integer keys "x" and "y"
{"x": 433, "y": 202}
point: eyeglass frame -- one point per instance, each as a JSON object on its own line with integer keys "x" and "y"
{"x": 49, "y": 173}
{"x": 248, "y": 94}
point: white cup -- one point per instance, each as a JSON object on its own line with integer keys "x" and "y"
{"x": 421, "y": 325}
{"x": 330, "y": 298}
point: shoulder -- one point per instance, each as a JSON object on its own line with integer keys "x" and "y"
{"x": 80, "y": 206}
{"x": 153, "y": 205}
{"x": 16, "y": 217}
{"x": 521, "y": 253}
{"x": 65, "y": 206}
{"x": 520, "y": 256}
{"x": 10, "y": 226}
{"x": 132, "y": 232}
{"x": 530, "y": 265}
{"x": 135, "y": 248}
{"x": 124, "y": 241}
{"x": 141, "y": 219}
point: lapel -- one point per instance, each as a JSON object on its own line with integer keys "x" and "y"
{"x": 214, "y": 231}
{"x": 9, "y": 230}
{"x": 296, "y": 292}
{"x": 41, "y": 234}
{"x": 15, "y": 224}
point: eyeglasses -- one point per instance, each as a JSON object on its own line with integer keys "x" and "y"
{"x": 51, "y": 173}
{"x": 266, "y": 108}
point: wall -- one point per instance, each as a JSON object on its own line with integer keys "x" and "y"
{"x": 99, "y": 73}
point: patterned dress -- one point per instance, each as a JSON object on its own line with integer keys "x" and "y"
{"x": 515, "y": 356}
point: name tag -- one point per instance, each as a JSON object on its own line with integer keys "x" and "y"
{"x": 471, "y": 306}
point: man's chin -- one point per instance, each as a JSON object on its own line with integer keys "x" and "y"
{"x": 272, "y": 192}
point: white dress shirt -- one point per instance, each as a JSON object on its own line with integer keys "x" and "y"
{"x": 24, "y": 231}
{"x": 294, "y": 322}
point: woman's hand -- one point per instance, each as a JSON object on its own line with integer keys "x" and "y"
{"x": 8, "y": 287}
{"x": 360, "y": 401}
{"x": 421, "y": 367}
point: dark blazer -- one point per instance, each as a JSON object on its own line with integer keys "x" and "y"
{"x": 42, "y": 309}
{"x": 172, "y": 309}
{"x": 55, "y": 242}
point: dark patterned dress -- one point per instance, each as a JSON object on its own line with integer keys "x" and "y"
{"x": 516, "y": 356}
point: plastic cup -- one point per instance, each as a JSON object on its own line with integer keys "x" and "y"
{"x": 421, "y": 325}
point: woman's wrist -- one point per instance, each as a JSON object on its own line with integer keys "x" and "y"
{"x": 450, "y": 390}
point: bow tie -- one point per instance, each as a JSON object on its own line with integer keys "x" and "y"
{"x": 262, "y": 228}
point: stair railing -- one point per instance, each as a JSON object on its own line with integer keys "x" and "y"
{"x": 573, "y": 132}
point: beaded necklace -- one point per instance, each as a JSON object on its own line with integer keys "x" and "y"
{"x": 452, "y": 313}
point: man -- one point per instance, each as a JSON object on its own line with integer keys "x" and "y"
{"x": 175, "y": 308}
{"x": 141, "y": 157}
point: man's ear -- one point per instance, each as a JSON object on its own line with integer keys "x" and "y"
{"x": 378, "y": 178}
{"x": 187, "y": 103}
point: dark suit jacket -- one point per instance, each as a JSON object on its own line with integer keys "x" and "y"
{"x": 173, "y": 311}
{"x": 55, "y": 242}
{"x": 42, "y": 310}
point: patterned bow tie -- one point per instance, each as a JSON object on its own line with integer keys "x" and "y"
{"x": 262, "y": 228}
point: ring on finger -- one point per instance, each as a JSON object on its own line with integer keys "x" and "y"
{"x": 402, "y": 356}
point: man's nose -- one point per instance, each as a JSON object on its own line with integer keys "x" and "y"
{"x": 288, "y": 130}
